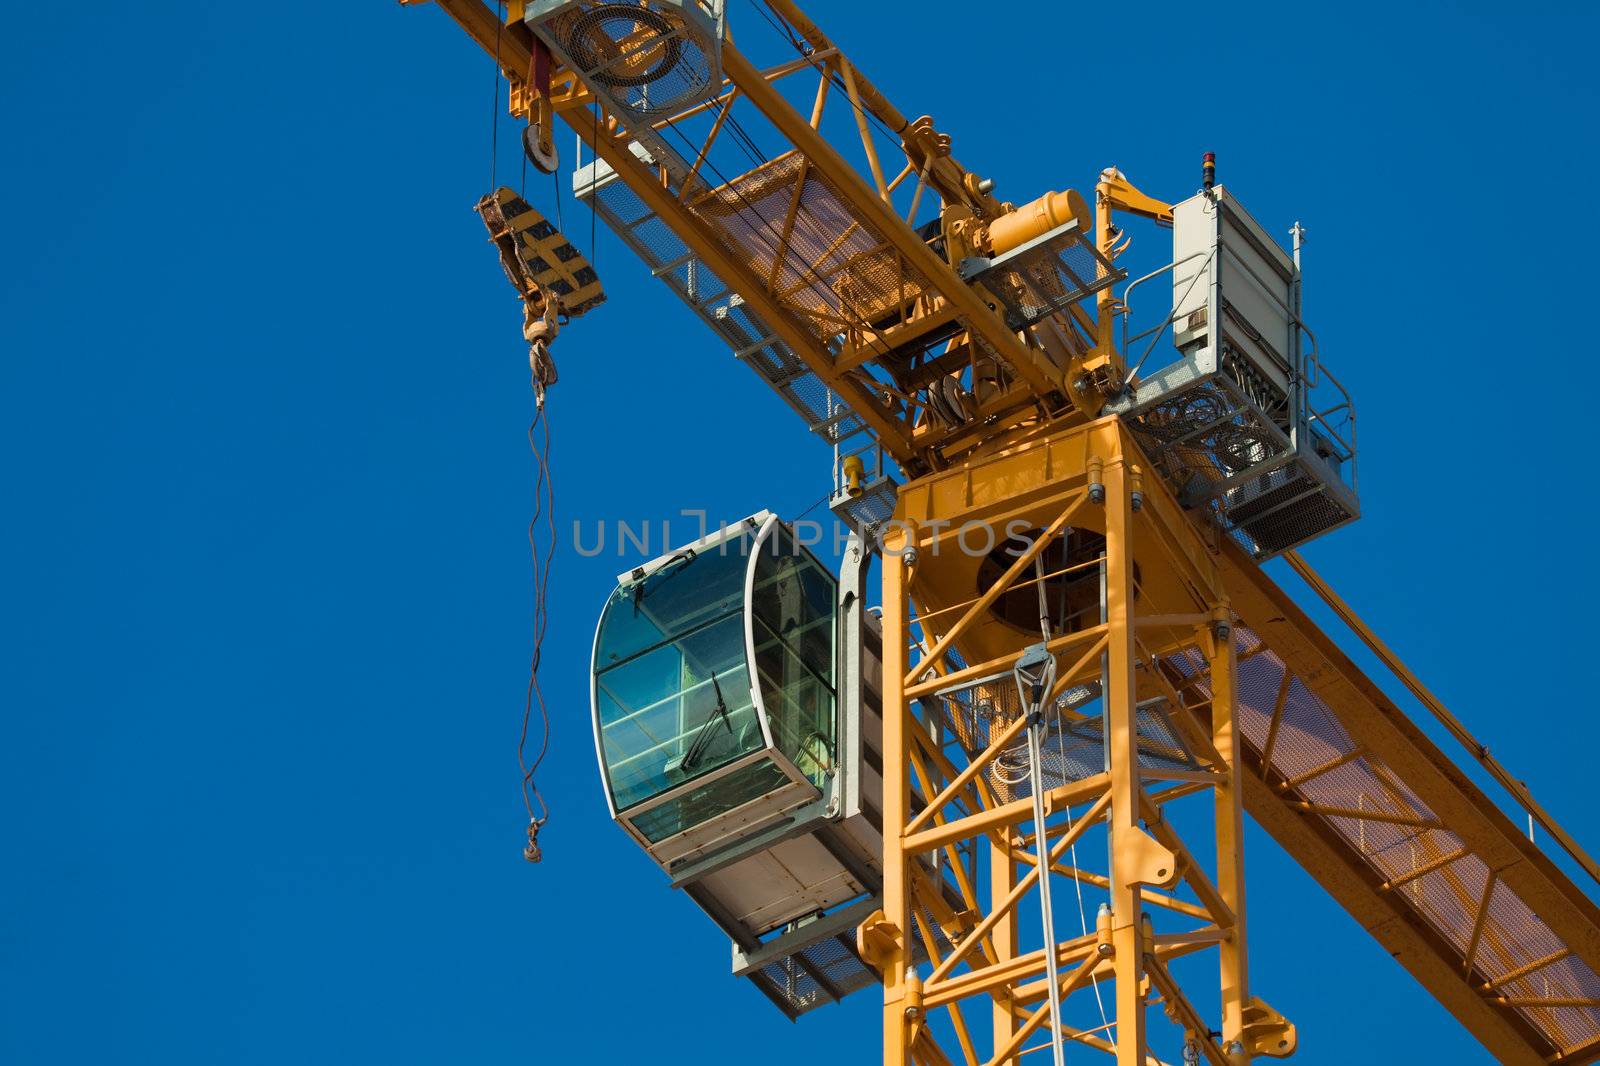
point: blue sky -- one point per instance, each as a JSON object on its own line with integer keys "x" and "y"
{"x": 267, "y": 590}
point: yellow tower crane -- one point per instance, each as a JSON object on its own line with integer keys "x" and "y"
{"x": 1082, "y": 678}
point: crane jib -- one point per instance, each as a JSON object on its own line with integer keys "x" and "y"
{"x": 1094, "y": 468}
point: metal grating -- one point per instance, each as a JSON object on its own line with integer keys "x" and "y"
{"x": 693, "y": 282}
{"x": 837, "y": 274}
{"x": 650, "y": 58}
{"x": 829, "y": 969}
{"x": 827, "y": 266}
{"x": 818, "y": 974}
{"x": 1429, "y": 867}
{"x": 1272, "y": 513}
{"x": 1221, "y": 451}
{"x": 868, "y": 512}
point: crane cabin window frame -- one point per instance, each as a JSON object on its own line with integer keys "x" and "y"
{"x": 714, "y": 689}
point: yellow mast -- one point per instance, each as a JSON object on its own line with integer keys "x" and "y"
{"x": 1219, "y": 695}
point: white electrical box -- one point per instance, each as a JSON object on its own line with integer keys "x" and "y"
{"x": 1244, "y": 421}
{"x": 1233, "y": 288}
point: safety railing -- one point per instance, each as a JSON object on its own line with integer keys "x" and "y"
{"x": 1334, "y": 423}
{"x": 1320, "y": 402}
{"x": 1156, "y": 332}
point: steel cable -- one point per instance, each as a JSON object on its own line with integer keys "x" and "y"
{"x": 544, "y": 507}
{"x": 494, "y": 108}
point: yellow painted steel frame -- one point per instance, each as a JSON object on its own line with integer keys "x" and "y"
{"x": 1115, "y": 194}
{"x": 1313, "y": 750}
{"x": 1162, "y": 592}
{"x": 1035, "y": 385}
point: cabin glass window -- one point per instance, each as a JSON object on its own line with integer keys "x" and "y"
{"x": 793, "y": 617}
{"x": 672, "y": 686}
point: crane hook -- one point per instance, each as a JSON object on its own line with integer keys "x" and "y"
{"x": 532, "y": 852}
{"x": 539, "y": 328}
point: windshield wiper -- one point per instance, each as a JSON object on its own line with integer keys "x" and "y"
{"x": 702, "y": 738}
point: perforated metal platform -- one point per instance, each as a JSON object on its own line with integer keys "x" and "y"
{"x": 1245, "y": 422}
{"x": 752, "y": 340}
{"x": 827, "y": 968}
{"x": 868, "y": 512}
{"x": 1220, "y": 450}
{"x": 1459, "y": 886}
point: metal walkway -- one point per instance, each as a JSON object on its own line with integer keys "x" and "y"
{"x": 1405, "y": 842}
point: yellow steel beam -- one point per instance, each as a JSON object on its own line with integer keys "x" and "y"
{"x": 511, "y": 46}
{"x": 897, "y": 1038}
{"x": 1000, "y": 907}
{"x": 1404, "y": 934}
{"x": 1427, "y": 868}
{"x": 508, "y": 45}
{"x": 1180, "y": 1007}
{"x": 1122, "y": 747}
{"x": 1527, "y": 968}
{"x": 994, "y": 591}
{"x": 1152, "y": 897}
{"x": 1228, "y": 813}
{"x": 1003, "y": 935}
{"x": 964, "y": 778}
{"x": 954, "y": 183}
{"x": 1021, "y": 968}
{"x": 1193, "y": 874}
{"x": 1364, "y": 815}
{"x": 738, "y": 275}
{"x": 866, "y": 206}
{"x": 1518, "y": 789}
{"x": 972, "y": 673}
{"x": 976, "y": 825}
{"x": 1374, "y": 723}
{"x": 1073, "y": 980}
{"x": 1165, "y": 948}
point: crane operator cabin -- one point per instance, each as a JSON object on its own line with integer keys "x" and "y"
{"x": 1003, "y": 786}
